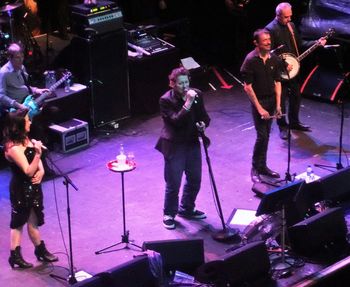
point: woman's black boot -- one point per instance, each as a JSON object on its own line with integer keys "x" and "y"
{"x": 17, "y": 259}
{"x": 43, "y": 254}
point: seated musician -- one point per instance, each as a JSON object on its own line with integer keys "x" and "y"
{"x": 14, "y": 88}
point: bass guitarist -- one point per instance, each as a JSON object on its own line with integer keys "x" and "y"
{"x": 285, "y": 39}
{"x": 14, "y": 88}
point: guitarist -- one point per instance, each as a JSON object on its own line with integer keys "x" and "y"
{"x": 286, "y": 39}
{"x": 14, "y": 88}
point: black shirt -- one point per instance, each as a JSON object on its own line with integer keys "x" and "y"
{"x": 261, "y": 75}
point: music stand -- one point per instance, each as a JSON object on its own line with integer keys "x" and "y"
{"x": 120, "y": 168}
{"x": 276, "y": 200}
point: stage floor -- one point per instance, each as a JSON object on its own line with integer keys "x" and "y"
{"x": 96, "y": 208}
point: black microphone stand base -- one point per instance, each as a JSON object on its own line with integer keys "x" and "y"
{"x": 338, "y": 166}
{"x": 226, "y": 235}
{"x": 125, "y": 240}
{"x": 71, "y": 279}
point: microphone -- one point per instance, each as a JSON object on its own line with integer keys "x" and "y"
{"x": 42, "y": 146}
{"x": 331, "y": 46}
{"x": 276, "y": 49}
{"x": 186, "y": 90}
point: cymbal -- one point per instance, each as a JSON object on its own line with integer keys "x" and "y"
{"x": 10, "y": 7}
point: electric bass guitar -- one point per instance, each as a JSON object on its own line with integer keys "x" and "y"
{"x": 294, "y": 61}
{"x": 35, "y": 104}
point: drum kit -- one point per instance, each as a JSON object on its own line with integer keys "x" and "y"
{"x": 13, "y": 28}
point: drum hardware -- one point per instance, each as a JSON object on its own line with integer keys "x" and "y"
{"x": 10, "y": 7}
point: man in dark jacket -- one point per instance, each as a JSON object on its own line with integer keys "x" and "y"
{"x": 184, "y": 116}
{"x": 285, "y": 35}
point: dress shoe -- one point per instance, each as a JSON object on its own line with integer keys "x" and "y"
{"x": 266, "y": 171}
{"x": 283, "y": 134}
{"x": 255, "y": 176}
{"x": 300, "y": 127}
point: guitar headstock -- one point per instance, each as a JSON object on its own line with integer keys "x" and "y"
{"x": 329, "y": 33}
{"x": 67, "y": 74}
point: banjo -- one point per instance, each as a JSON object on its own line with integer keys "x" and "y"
{"x": 293, "y": 60}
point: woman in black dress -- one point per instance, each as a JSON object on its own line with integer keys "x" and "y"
{"x": 26, "y": 195}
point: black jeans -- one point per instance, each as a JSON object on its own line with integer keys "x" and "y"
{"x": 290, "y": 91}
{"x": 186, "y": 159}
{"x": 263, "y": 128}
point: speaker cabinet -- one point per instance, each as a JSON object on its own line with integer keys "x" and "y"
{"x": 241, "y": 264}
{"x": 134, "y": 273}
{"x": 321, "y": 236}
{"x": 149, "y": 80}
{"x": 324, "y": 84}
{"x": 100, "y": 62}
{"x": 245, "y": 265}
{"x": 179, "y": 254}
{"x": 335, "y": 186}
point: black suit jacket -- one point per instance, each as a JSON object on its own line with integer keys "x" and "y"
{"x": 179, "y": 124}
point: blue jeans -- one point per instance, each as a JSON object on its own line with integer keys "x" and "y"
{"x": 187, "y": 159}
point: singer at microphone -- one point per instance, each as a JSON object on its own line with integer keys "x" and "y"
{"x": 35, "y": 142}
{"x": 181, "y": 108}
{"x": 191, "y": 93}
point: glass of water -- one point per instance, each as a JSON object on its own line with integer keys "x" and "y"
{"x": 130, "y": 158}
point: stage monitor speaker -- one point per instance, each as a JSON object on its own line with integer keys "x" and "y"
{"x": 322, "y": 236}
{"x": 184, "y": 255}
{"x": 99, "y": 280}
{"x": 243, "y": 266}
{"x": 334, "y": 187}
{"x": 134, "y": 273}
{"x": 324, "y": 84}
{"x": 100, "y": 62}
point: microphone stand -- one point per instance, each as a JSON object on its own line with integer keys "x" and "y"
{"x": 67, "y": 181}
{"x": 226, "y": 234}
{"x": 342, "y": 110}
{"x": 281, "y": 264}
{"x": 288, "y": 176}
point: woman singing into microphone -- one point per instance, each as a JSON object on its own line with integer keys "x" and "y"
{"x": 25, "y": 188}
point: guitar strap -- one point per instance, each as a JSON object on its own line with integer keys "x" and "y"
{"x": 25, "y": 79}
{"x": 293, "y": 38}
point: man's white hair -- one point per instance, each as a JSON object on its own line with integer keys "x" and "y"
{"x": 280, "y": 7}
